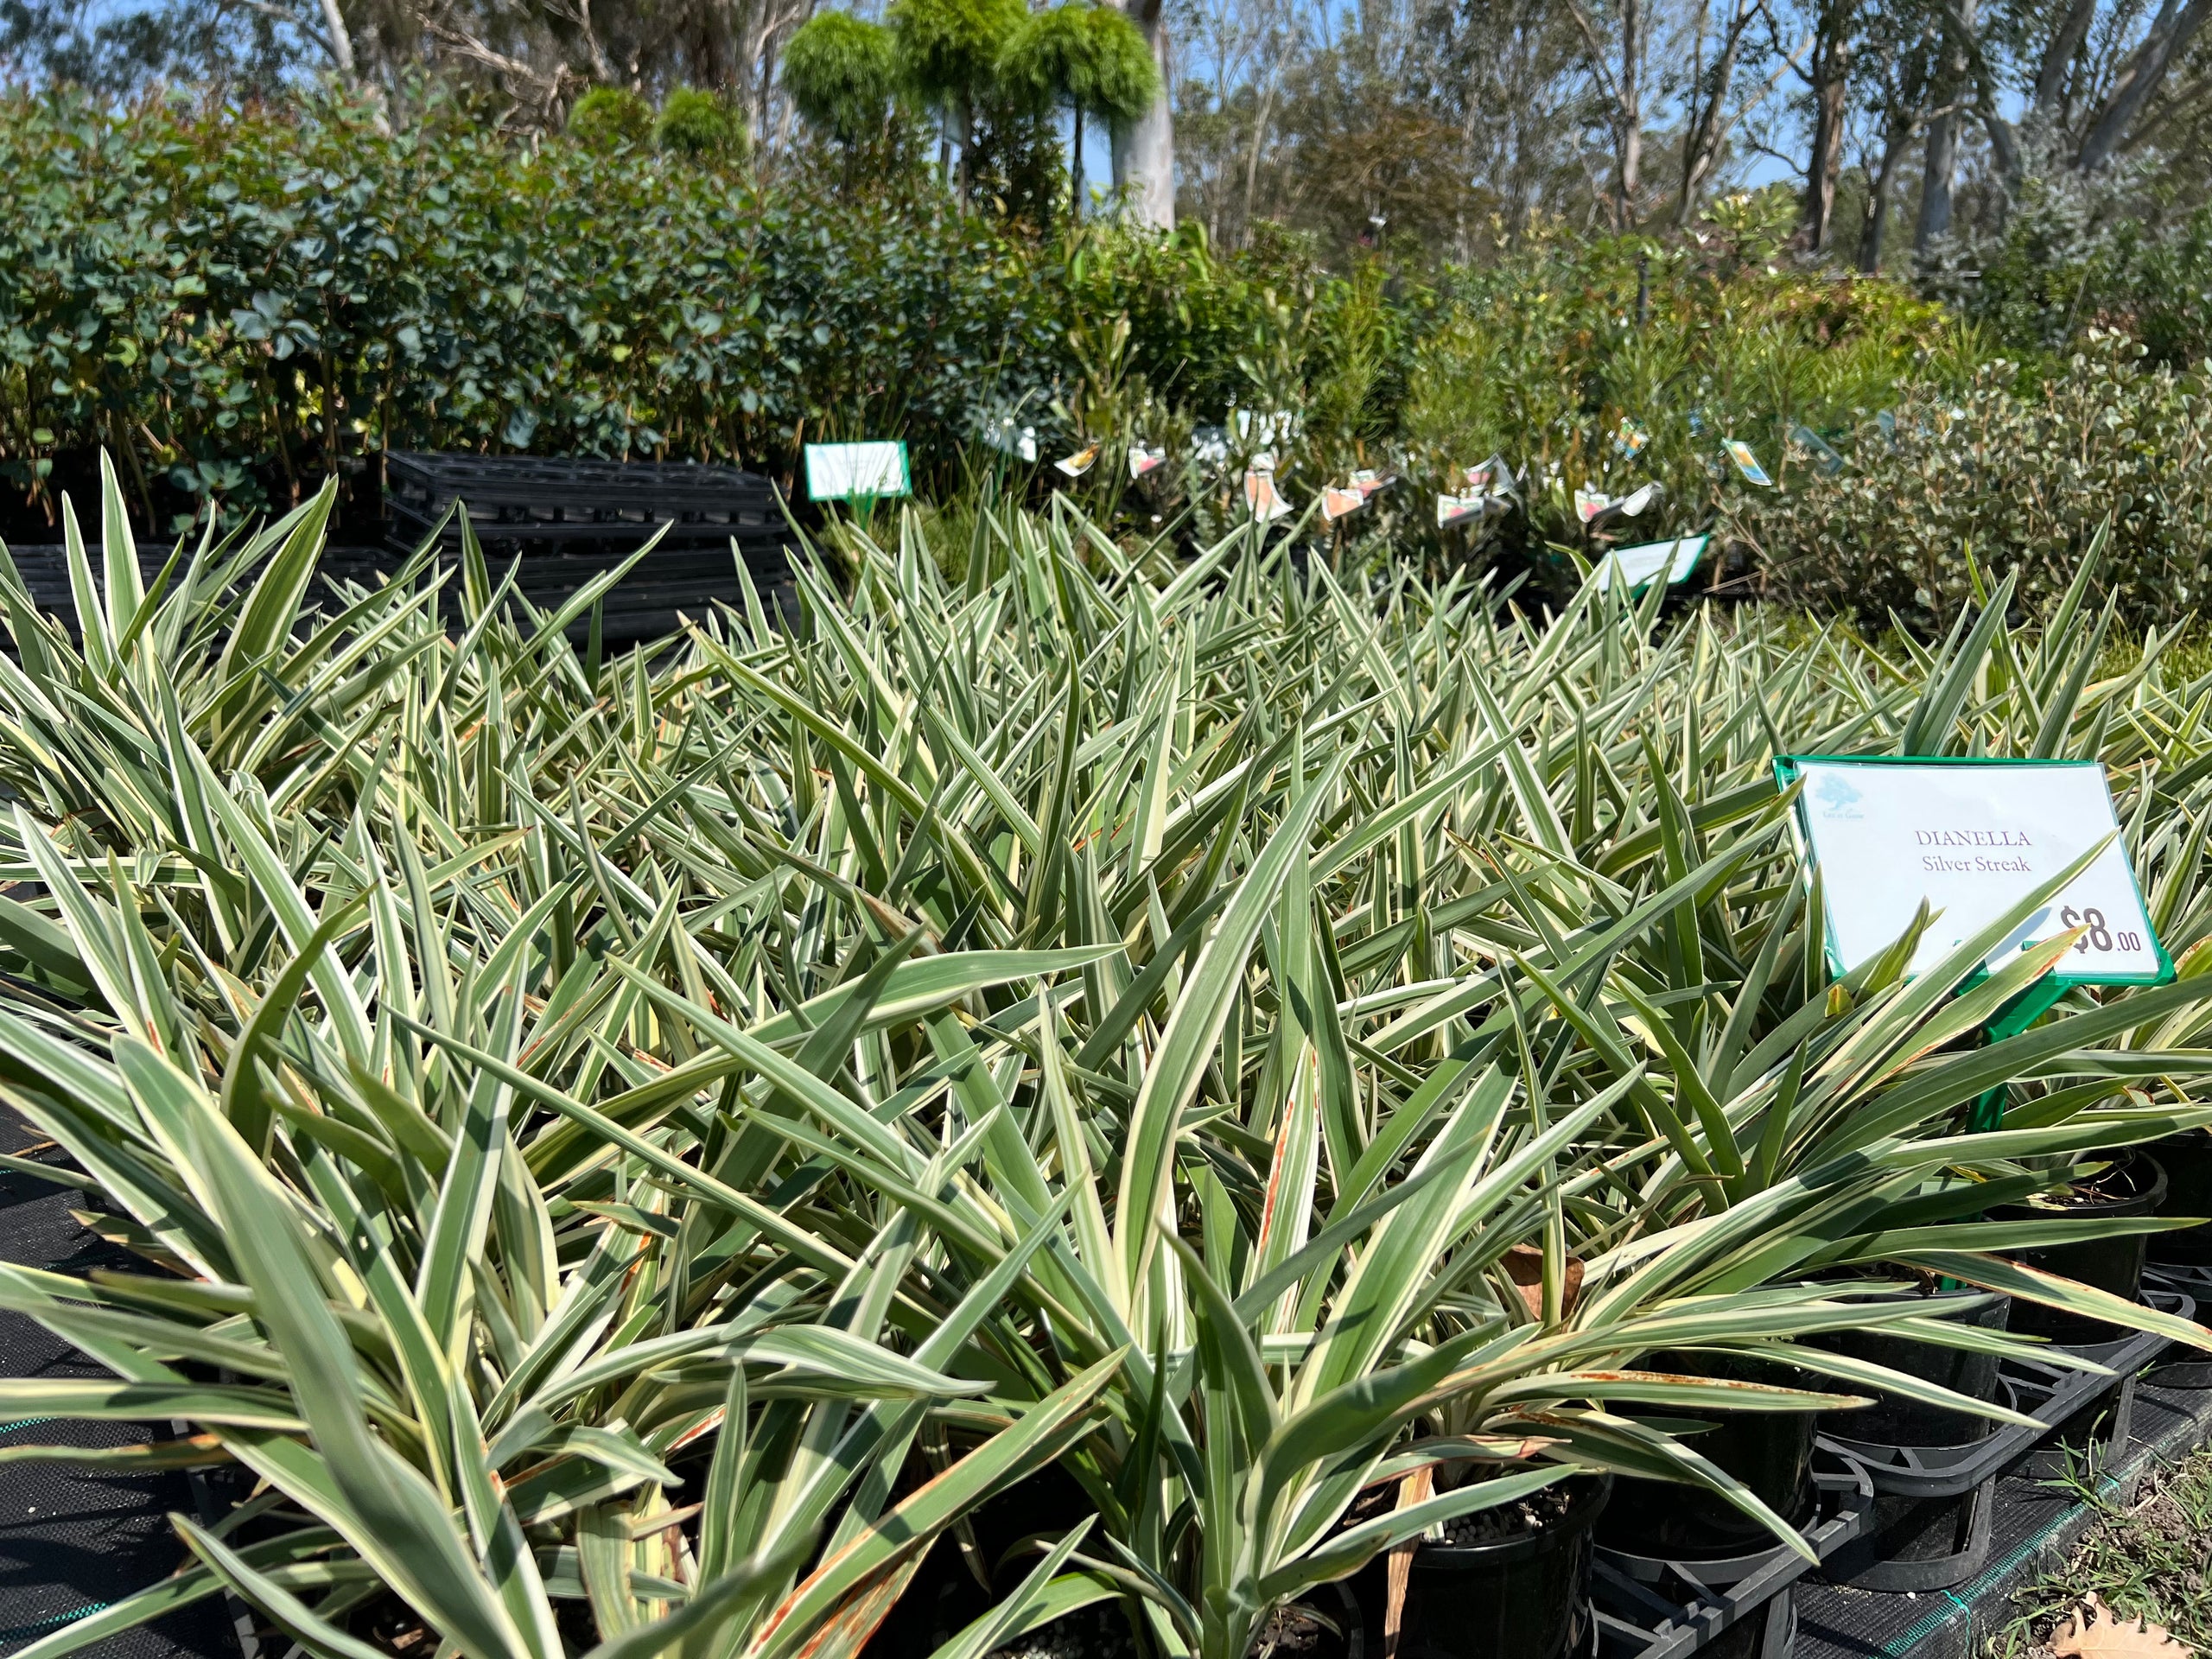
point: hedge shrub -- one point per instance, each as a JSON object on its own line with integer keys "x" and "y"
{"x": 2017, "y": 476}
{"x": 242, "y": 301}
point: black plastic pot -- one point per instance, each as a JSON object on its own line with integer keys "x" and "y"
{"x": 1526, "y": 1597}
{"x": 1892, "y": 1420}
{"x": 1771, "y": 1452}
{"x": 1911, "y": 1542}
{"x": 944, "y": 1597}
{"x": 2135, "y": 1186}
{"x": 2187, "y": 1160}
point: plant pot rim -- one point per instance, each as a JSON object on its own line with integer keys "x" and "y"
{"x": 1587, "y": 1497}
{"x": 1914, "y": 1293}
{"x": 2143, "y": 1174}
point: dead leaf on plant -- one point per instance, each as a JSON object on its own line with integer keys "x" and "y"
{"x": 1525, "y": 1265}
{"x": 2110, "y": 1636}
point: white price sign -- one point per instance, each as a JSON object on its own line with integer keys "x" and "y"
{"x": 840, "y": 471}
{"x": 1973, "y": 838}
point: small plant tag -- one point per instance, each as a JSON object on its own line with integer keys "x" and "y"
{"x": 1747, "y": 463}
{"x": 1640, "y": 566}
{"x": 1457, "y": 509}
{"x": 1261, "y": 498}
{"x": 848, "y": 471}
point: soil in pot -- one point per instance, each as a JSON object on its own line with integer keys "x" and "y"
{"x": 1324, "y": 1624}
{"x": 2187, "y": 1160}
{"x": 1508, "y": 1583}
{"x": 1101, "y": 1631}
{"x": 2132, "y": 1185}
{"x": 1771, "y": 1452}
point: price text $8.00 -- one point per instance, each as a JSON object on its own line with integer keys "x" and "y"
{"x": 2100, "y": 938}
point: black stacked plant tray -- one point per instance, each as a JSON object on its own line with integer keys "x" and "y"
{"x": 75, "y": 1540}
{"x": 1931, "y": 1526}
{"x": 2036, "y": 1521}
{"x": 556, "y": 524}
{"x": 1739, "y": 1607}
{"x": 568, "y": 519}
{"x": 2188, "y": 1369}
{"x": 546, "y": 501}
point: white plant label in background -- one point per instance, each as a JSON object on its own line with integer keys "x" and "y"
{"x": 1973, "y": 838}
{"x": 840, "y": 472}
{"x": 1638, "y": 565}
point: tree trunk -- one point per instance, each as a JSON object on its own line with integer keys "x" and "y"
{"x": 1695, "y": 121}
{"x": 1943, "y": 157}
{"x": 1252, "y": 157}
{"x": 2140, "y": 78}
{"x": 1935, "y": 180}
{"x": 1877, "y": 198}
{"x": 1831, "y": 93}
{"x": 341, "y": 40}
{"x": 963, "y": 132}
{"x": 1628, "y": 176}
{"x": 1708, "y": 129}
{"x": 1144, "y": 150}
{"x": 2050, "y": 79}
{"x": 1075, "y": 185}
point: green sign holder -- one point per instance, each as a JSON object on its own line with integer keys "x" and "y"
{"x": 2031, "y": 1004}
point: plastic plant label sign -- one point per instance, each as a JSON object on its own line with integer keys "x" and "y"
{"x": 1973, "y": 838}
{"x": 844, "y": 471}
{"x": 1640, "y": 566}
{"x": 1747, "y": 463}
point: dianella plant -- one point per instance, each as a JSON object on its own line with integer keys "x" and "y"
{"x": 627, "y": 1155}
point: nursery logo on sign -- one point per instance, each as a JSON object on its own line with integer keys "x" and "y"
{"x": 1838, "y": 798}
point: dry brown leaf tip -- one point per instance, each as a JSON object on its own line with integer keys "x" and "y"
{"x": 2110, "y": 1636}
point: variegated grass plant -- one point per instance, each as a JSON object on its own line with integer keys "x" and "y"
{"x": 626, "y": 1155}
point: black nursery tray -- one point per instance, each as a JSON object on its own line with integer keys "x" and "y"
{"x": 1651, "y": 1608}
{"x": 2193, "y": 1279}
{"x": 2052, "y": 1394}
{"x": 548, "y": 499}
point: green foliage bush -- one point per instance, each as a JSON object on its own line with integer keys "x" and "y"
{"x": 1089, "y": 56}
{"x": 2081, "y": 251}
{"x": 2019, "y": 478}
{"x": 1609, "y": 363}
{"x": 841, "y": 72}
{"x": 695, "y": 123}
{"x": 607, "y": 115}
{"x": 241, "y": 302}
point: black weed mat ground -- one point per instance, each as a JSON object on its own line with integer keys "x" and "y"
{"x": 73, "y": 1541}
{"x": 2035, "y": 1526}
